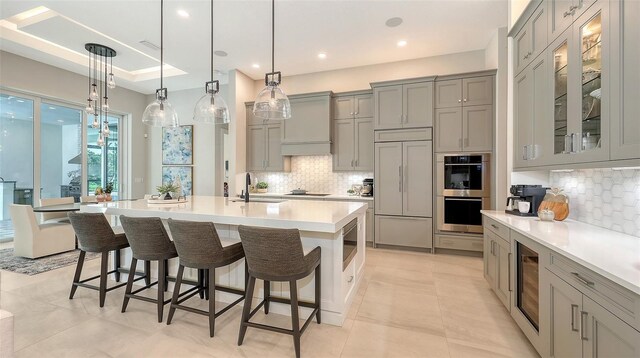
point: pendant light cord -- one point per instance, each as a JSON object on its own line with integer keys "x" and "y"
{"x": 211, "y": 40}
{"x": 161, "y": 42}
{"x": 273, "y": 34}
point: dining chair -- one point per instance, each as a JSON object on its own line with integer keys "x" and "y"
{"x": 33, "y": 240}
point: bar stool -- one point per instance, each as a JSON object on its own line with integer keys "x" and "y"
{"x": 199, "y": 247}
{"x": 277, "y": 255}
{"x": 94, "y": 234}
{"x": 150, "y": 242}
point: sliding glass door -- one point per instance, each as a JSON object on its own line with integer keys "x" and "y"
{"x": 103, "y": 162}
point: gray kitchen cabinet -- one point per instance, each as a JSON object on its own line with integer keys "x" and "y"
{"x": 388, "y": 177}
{"x": 477, "y": 128}
{"x": 448, "y": 128}
{"x": 350, "y": 105}
{"x": 497, "y": 265}
{"x": 403, "y": 105}
{"x": 625, "y": 75}
{"x": 343, "y": 107}
{"x": 308, "y": 131}
{"x": 531, "y": 40}
{"x": 490, "y": 260}
{"x": 353, "y": 144}
{"x": 370, "y": 225}
{"x": 448, "y": 93}
{"x": 565, "y": 305}
{"x": 363, "y": 106}
{"x": 404, "y": 231}
{"x": 263, "y": 149}
{"x": 563, "y": 12}
{"x": 472, "y": 91}
{"x": 417, "y": 164}
{"x": 605, "y": 335}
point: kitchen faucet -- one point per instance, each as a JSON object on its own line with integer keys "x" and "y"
{"x": 246, "y": 188}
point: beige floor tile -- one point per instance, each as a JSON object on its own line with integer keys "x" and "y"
{"x": 464, "y": 349}
{"x": 397, "y": 276}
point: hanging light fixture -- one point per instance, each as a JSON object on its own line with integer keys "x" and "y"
{"x": 211, "y": 108}
{"x": 98, "y": 101}
{"x": 160, "y": 113}
{"x": 272, "y": 102}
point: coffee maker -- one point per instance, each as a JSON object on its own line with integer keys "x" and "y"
{"x": 533, "y": 194}
{"x": 367, "y": 187}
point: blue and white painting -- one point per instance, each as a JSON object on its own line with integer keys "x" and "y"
{"x": 177, "y": 145}
{"x": 169, "y": 174}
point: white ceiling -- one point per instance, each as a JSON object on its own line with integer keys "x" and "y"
{"x": 351, "y": 33}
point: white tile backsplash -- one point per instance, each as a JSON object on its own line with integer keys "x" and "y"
{"x": 313, "y": 173}
{"x": 604, "y": 197}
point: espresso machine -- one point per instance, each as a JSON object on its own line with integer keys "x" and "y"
{"x": 533, "y": 194}
{"x": 367, "y": 187}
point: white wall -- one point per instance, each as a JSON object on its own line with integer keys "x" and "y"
{"x": 22, "y": 74}
{"x": 516, "y": 8}
{"x": 241, "y": 90}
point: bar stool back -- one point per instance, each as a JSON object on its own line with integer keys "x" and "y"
{"x": 199, "y": 247}
{"x": 150, "y": 242}
{"x": 277, "y": 255}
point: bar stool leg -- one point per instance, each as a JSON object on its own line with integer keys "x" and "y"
{"x": 211, "y": 295}
{"x": 76, "y": 276}
{"x": 147, "y": 272}
{"x": 318, "y": 292}
{"x": 295, "y": 320}
{"x": 267, "y": 295}
{"x": 104, "y": 264}
{"x": 161, "y": 284}
{"x": 166, "y": 275}
{"x": 116, "y": 264}
{"x": 132, "y": 270}
{"x": 246, "y": 309}
{"x": 206, "y": 284}
{"x": 176, "y": 294}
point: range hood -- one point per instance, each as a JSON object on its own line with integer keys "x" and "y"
{"x": 308, "y": 131}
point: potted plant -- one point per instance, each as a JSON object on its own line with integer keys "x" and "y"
{"x": 99, "y": 194}
{"x": 107, "y": 190}
{"x": 166, "y": 190}
{"x": 262, "y": 187}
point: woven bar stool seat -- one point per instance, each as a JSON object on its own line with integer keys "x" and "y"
{"x": 277, "y": 255}
{"x": 94, "y": 234}
{"x": 199, "y": 247}
{"x": 150, "y": 242}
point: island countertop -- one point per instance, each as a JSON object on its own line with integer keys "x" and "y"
{"x": 307, "y": 215}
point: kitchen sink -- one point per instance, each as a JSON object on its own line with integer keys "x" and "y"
{"x": 309, "y": 194}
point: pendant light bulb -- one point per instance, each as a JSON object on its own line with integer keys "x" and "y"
{"x": 89, "y": 108}
{"x": 106, "y": 131}
{"x": 94, "y": 92}
{"x": 105, "y": 104}
{"x": 96, "y": 123}
{"x": 100, "y": 140}
{"x": 111, "y": 82}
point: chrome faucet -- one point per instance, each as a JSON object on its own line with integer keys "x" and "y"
{"x": 246, "y": 188}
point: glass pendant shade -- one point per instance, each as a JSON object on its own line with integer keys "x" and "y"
{"x": 105, "y": 104}
{"x": 100, "y": 141}
{"x": 160, "y": 113}
{"x": 272, "y": 103}
{"x": 106, "y": 131}
{"x": 96, "y": 123}
{"x": 211, "y": 108}
{"x": 89, "y": 108}
{"x": 94, "y": 93}
{"x": 111, "y": 82}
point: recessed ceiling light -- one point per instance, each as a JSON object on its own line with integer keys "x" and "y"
{"x": 221, "y": 53}
{"x": 183, "y": 13}
{"x": 322, "y": 55}
{"x": 402, "y": 43}
{"x": 394, "y": 21}
{"x": 255, "y": 65}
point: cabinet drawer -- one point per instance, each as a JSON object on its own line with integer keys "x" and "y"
{"x": 348, "y": 280}
{"x": 404, "y": 231}
{"x": 399, "y": 135}
{"x": 498, "y": 228}
{"x": 620, "y": 301}
{"x": 459, "y": 243}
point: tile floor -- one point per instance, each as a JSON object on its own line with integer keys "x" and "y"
{"x": 408, "y": 305}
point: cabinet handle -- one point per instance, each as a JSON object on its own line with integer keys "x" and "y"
{"x": 351, "y": 113}
{"x": 400, "y": 178}
{"x": 356, "y": 113}
{"x": 355, "y": 163}
{"x": 464, "y": 100}
{"x": 495, "y": 226}
{"x": 350, "y": 279}
{"x": 582, "y": 280}
{"x": 525, "y": 152}
{"x": 584, "y": 316}
{"x": 574, "y": 309}
{"x": 493, "y": 251}
{"x": 509, "y": 270}
{"x": 406, "y": 178}
{"x": 459, "y": 101}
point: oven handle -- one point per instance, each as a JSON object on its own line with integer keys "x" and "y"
{"x": 464, "y": 199}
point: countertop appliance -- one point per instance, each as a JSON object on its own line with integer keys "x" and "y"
{"x": 367, "y": 187}
{"x": 463, "y": 189}
{"x": 533, "y": 194}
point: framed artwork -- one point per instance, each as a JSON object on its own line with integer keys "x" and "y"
{"x": 177, "y": 145}
{"x": 169, "y": 174}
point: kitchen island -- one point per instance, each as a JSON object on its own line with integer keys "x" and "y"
{"x": 320, "y": 223}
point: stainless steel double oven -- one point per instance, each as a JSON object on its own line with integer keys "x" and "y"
{"x": 463, "y": 188}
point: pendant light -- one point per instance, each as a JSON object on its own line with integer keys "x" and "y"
{"x": 211, "y": 108}
{"x": 98, "y": 101}
{"x": 272, "y": 102}
{"x": 160, "y": 113}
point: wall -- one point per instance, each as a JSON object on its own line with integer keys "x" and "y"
{"x": 312, "y": 173}
{"x": 516, "y": 7}
{"x": 603, "y": 197}
{"x": 241, "y": 90}
{"x": 22, "y": 74}
{"x": 359, "y": 78}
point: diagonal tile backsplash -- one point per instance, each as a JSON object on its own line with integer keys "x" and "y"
{"x": 313, "y": 173}
{"x": 604, "y": 197}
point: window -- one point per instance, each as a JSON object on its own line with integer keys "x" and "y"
{"x": 103, "y": 162}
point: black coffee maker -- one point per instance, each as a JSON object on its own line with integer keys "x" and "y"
{"x": 533, "y": 194}
{"x": 367, "y": 187}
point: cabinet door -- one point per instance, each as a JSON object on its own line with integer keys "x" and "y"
{"x": 565, "y": 304}
{"x": 418, "y": 105}
{"x": 404, "y": 231}
{"x": 625, "y": 79}
{"x": 448, "y": 93}
{"x": 539, "y": 31}
{"x": 256, "y": 147}
{"x": 477, "y": 128}
{"x": 343, "y": 107}
{"x": 522, "y": 52}
{"x": 503, "y": 272}
{"x": 363, "y": 145}
{"x": 417, "y": 162}
{"x": 388, "y": 105}
{"x": 560, "y": 17}
{"x": 274, "y": 161}
{"x": 388, "y": 174}
{"x": 542, "y": 111}
{"x": 370, "y": 225}
{"x": 477, "y": 91}
{"x": 490, "y": 258}
{"x": 561, "y": 93}
{"x": 310, "y": 121}
{"x": 364, "y": 106}
{"x": 448, "y": 129}
{"x": 343, "y": 144}
{"x": 606, "y": 335}
{"x": 523, "y": 121}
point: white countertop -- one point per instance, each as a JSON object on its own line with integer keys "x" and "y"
{"x": 611, "y": 254}
{"x": 311, "y": 197}
{"x": 307, "y": 215}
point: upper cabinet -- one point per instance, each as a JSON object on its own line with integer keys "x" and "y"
{"x": 531, "y": 40}
{"x": 353, "y": 131}
{"x": 403, "y": 104}
{"x": 308, "y": 131}
{"x": 264, "y": 150}
{"x": 472, "y": 91}
{"x": 347, "y": 106}
{"x": 562, "y": 13}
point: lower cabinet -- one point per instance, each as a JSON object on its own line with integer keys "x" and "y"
{"x": 370, "y": 225}
{"x": 498, "y": 266}
{"x": 404, "y": 231}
